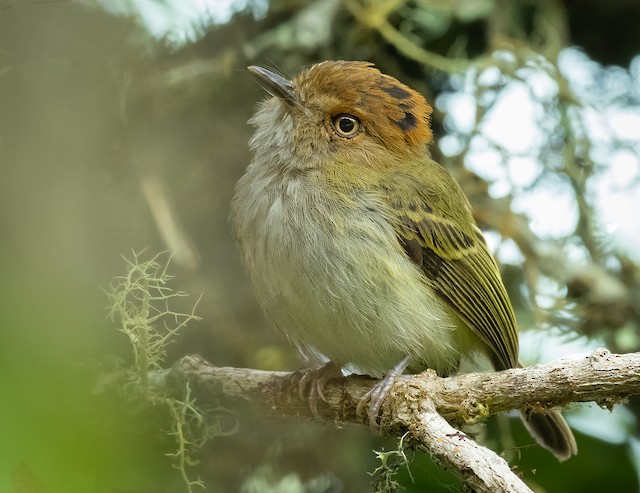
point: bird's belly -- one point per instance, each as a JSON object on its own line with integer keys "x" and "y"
{"x": 348, "y": 292}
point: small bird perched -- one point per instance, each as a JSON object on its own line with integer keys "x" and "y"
{"x": 360, "y": 247}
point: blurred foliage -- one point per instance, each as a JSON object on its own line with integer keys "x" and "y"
{"x": 113, "y": 140}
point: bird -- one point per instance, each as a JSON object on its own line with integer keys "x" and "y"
{"x": 360, "y": 247}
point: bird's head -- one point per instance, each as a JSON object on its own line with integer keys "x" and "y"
{"x": 339, "y": 111}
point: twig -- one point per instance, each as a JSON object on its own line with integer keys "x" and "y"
{"x": 375, "y": 17}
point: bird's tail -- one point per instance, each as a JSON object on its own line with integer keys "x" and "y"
{"x": 552, "y": 432}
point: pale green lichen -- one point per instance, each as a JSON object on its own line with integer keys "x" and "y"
{"x": 390, "y": 464}
{"x": 472, "y": 412}
{"x": 139, "y": 304}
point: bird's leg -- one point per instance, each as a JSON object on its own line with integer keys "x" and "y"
{"x": 312, "y": 382}
{"x": 378, "y": 392}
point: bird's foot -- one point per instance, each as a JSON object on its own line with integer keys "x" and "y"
{"x": 376, "y": 395}
{"x": 311, "y": 384}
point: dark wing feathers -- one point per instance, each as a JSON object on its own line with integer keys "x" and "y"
{"x": 459, "y": 267}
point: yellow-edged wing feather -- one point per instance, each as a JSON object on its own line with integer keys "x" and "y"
{"x": 438, "y": 232}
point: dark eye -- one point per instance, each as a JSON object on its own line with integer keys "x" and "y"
{"x": 346, "y": 126}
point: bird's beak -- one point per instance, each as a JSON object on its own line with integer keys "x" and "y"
{"x": 275, "y": 84}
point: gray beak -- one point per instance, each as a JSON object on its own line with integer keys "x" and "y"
{"x": 275, "y": 84}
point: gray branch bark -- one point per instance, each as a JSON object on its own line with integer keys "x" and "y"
{"x": 425, "y": 406}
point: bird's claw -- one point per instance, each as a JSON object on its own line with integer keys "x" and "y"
{"x": 311, "y": 384}
{"x": 377, "y": 394}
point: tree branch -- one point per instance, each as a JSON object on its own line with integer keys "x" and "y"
{"x": 374, "y": 16}
{"x": 423, "y": 405}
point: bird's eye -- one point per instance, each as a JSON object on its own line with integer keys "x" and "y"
{"x": 346, "y": 126}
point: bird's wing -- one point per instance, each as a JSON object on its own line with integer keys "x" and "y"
{"x": 457, "y": 264}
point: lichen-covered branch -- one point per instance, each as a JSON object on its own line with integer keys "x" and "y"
{"x": 420, "y": 404}
{"x": 480, "y": 468}
{"x": 602, "y": 377}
